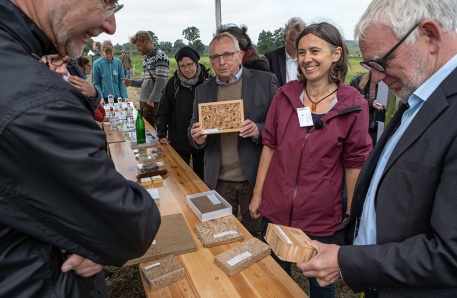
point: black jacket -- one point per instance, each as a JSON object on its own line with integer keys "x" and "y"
{"x": 175, "y": 111}
{"x": 58, "y": 187}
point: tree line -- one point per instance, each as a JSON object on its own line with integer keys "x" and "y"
{"x": 267, "y": 41}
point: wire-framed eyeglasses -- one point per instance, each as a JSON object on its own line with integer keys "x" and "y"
{"x": 112, "y": 10}
{"x": 227, "y": 56}
{"x": 186, "y": 66}
{"x": 379, "y": 63}
{"x": 57, "y": 61}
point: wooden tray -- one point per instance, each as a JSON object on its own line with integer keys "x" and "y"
{"x": 221, "y": 117}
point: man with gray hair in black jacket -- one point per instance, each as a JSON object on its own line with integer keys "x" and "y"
{"x": 64, "y": 209}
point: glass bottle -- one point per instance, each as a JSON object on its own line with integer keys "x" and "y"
{"x": 140, "y": 129}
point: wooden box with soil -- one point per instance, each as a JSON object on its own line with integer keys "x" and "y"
{"x": 242, "y": 256}
{"x": 208, "y": 205}
{"x": 163, "y": 272}
{"x": 218, "y": 232}
{"x": 289, "y": 243}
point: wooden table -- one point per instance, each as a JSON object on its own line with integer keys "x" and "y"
{"x": 202, "y": 277}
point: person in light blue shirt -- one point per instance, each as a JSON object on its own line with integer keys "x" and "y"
{"x": 107, "y": 74}
{"x": 402, "y": 220}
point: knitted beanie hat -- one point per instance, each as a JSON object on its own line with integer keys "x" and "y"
{"x": 187, "y": 52}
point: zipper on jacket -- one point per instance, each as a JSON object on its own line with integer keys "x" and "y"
{"x": 291, "y": 212}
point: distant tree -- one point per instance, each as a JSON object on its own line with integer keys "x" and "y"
{"x": 88, "y": 46}
{"x": 166, "y": 46}
{"x": 155, "y": 39}
{"x": 191, "y": 34}
{"x": 277, "y": 37}
{"x": 265, "y": 42}
{"x": 179, "y": 43}
{"x": 198, "y": 46}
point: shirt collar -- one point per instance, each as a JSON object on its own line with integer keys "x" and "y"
{"x": 429, "y": 86}
{"x": 288, "y": 58}
{"x": 232, "y": 80}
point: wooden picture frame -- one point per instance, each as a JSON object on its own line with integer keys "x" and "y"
{"x": 221, "y": 117}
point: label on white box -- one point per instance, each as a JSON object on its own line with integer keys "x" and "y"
{"x": 154, "y": 192}
{"x": 283, "y": 234}
{"x": 212, "y": 197}
{"x": 152, "y": 266}
{"x": 239, "y": 258}
{"x": 219, "y": 235}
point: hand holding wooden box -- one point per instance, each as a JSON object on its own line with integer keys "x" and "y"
{"x": 289, "y": 243}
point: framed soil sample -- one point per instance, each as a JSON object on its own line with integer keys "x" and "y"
{"x": 221, "y": 117}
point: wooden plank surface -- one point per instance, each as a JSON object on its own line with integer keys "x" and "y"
{"x": 202, "y": 277}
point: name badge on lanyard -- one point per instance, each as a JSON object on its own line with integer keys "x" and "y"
{"x": 304, "y": 117}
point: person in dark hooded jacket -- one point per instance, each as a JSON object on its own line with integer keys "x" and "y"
{"x": 251, "y": 59}
{"x": 175, "y": 109}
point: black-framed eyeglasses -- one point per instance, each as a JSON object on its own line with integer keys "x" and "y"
{"x": 227, "y": 56}
{"x": 379, "y": 63}
{"x": 57, "y": 61}
{"x": 187, "y": 66}
{"x": 112, "y": 10}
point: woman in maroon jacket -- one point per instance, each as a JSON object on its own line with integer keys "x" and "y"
{"x": 316, "y": 130}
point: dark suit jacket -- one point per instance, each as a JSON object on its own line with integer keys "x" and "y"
{"x": 277, "y": 61}
{"x": 416, "y": 204}
{"x": 258, "y": 90}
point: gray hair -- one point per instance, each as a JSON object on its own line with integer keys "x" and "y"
{"x": 294, "y": 23}
{"x": 220, "y": 36}
{"x": 402, "y": 15}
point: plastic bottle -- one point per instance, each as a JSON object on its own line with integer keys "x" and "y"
{"x": 129, "y": 116}
{"x": 111, "y": 99}
{"x": 140, "y": 129}
{"x": 119, "y": 99}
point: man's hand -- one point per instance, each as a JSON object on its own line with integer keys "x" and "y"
{"x": 127, "y": 82}
{"x": 84, "y": 86}
{"x": 163, "y": 141}
{"x": 324, "y": 266}
{"x": 196, "y": 133}
{"x": 81, "y": 266}
{"x": 249, "y": 129}
{"x": 150, "y": 103}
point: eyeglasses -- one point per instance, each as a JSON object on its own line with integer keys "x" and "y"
{"x": 379, "y": 63}
{"x": 227, "y": 56}
{"x": 187, "y": 66}
{"x": 112, "y": 10}
{"x": 57, "y": 61}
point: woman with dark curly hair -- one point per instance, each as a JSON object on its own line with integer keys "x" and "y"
{"x": 316, "y": 130}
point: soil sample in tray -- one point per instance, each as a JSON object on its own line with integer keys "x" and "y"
{"x": 207, "y": 204}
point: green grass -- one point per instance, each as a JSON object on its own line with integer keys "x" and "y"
{"x": 137, "y": 62}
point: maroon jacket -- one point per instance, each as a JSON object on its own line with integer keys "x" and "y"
{"x": 302, "y": 188}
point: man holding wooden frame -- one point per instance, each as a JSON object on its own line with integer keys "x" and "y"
{"x": 232, "y": 158}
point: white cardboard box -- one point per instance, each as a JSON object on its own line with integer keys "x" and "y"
{"x": 215, "y": 199}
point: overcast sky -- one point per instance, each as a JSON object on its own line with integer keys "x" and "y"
{"x": 168, "y": 18}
